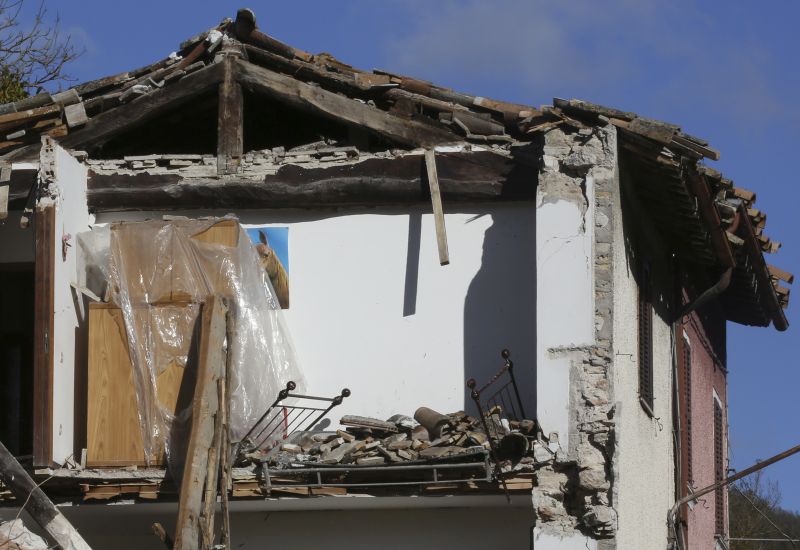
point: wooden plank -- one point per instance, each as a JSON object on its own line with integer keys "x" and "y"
{"x": 707, "y": 152}
{"x": 226, "y": 483}
{"x": 4, "y": 192}
{"x": 699, "y": 188}
{"x": 467, "y": 176}
{"x": 438, "y": 213}
{"x": 303, "y": 70}
{"x": 779, "y": 273}
{"x": 205, "y": 408}
{"x": 212, "y": 470}
{"x": 106, "y": 125}
{"x": 37, "y": 504}
{"x": 114, "y": 433}
{"x": 161, "y": 533}
{"x": 744, "y": 194}
{"x": 321, "y": 102}
{"x": 225, "y": 232}
{"x": 230, "y": 122}
{"x": 29, "y": 115}
{"x": 45, "y": 236}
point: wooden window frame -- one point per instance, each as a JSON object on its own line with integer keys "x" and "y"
{"x": 645, "y": 335}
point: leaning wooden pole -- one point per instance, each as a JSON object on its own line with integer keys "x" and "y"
{"x": 36, "y": 503}
{"x": 436, "y": 201}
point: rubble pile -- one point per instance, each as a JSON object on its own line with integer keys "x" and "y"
{"x": 402, "y": 440}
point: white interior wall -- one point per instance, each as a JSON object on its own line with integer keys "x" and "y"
{"x": 69, "y": 338}
{"x": 565, "y": 308}
{"x": 372, "y": 309}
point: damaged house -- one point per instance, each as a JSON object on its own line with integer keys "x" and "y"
{"x": 316, "y": 299}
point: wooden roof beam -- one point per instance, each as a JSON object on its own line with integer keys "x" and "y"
{"x": 105, "y": 126}
{"x": 321, "y": 102}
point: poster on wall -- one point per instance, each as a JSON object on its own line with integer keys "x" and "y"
{"x": 272, "y": 246}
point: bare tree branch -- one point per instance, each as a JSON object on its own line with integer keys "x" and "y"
{"x": 34, "y": 54}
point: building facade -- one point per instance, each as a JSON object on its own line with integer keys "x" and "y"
{"x": 593, "y": 244}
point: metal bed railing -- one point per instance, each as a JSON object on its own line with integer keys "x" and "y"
{"x": 503, "y": 403}
{"x": 281, "y": 419}
{"x": 360, "y": 476}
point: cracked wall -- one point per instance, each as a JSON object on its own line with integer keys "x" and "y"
{"x": 573, "y": 498}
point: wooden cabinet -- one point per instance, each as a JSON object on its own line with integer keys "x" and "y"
{"x": 114, "y": 436}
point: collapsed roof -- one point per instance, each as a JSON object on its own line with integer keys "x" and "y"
{"x": 709, "y": 220}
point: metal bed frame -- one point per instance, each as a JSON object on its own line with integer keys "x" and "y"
{"x": 281, "y": 420}
{"x": 506, "y": 396}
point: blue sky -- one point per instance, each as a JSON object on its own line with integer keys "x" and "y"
{"x": 726, "y": 71}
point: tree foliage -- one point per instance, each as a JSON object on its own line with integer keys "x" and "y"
{"x": 33, "y": 52}
{"x": 755, "y": 513}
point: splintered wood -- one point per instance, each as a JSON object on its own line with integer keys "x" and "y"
{"x": 199, "y": 485}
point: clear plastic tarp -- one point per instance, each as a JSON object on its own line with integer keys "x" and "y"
{"x": 159, "y": 273}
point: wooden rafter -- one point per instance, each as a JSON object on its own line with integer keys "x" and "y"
{"x": 321, "y": 102}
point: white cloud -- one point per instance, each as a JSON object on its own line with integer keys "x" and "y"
{"x": 640, "y": 54}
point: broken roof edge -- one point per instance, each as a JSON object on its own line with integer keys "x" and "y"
{"x": 712, "y": 191}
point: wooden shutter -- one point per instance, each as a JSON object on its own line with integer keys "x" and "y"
{"x": 719, "y": 469}
{"x": 687, "y": 400}
{"x": 645, "y": 339}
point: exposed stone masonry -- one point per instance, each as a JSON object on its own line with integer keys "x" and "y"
{"x": 573, "y": 490}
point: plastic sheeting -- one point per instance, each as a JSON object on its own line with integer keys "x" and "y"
{"x": 159, "y": 273}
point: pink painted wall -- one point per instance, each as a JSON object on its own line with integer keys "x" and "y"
{"x": 705, "y": 333}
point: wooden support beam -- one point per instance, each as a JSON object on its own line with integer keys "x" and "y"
{"x": 226, "y": 483}
{"x": 230, "y": 122}
{"x": 466, "y": 176}
{"x": 212, "y": 470}
{"x": 205, "y": 408}
{"x": 44, "y": 304}
{"x": 769, "y": 298}
{"x": 436, "y": 200}
{"x": 37, "y": 504}
{"x": 161, "y": 533}
{"x": 699, "y": 188}
{"x": 321, "y": 102}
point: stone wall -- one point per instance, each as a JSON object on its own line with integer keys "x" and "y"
{"x": 573, "y": 493}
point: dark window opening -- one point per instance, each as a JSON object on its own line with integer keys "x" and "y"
{"x": 719, "y": 469}
{"x": 645, "y": 339}
{"x": 16, "y": 357}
